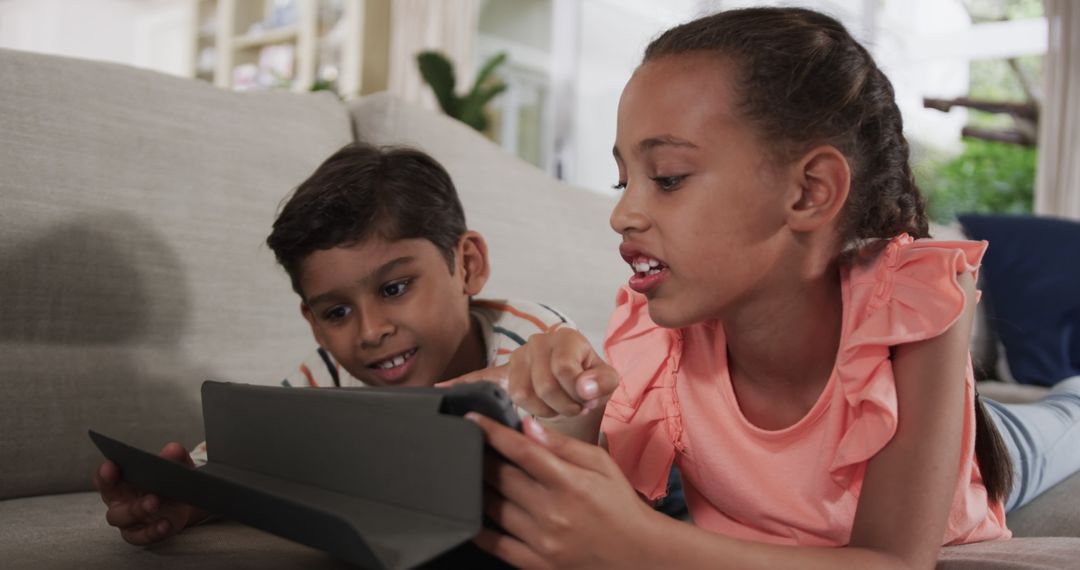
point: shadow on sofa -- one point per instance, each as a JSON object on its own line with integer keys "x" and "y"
{"x": 97, "y": 303}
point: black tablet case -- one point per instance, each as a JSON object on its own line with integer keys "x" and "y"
{"x": 378, "y": 478}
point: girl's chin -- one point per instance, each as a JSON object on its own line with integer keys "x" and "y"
{"x": 662, "y": 314}
{"x": 669, "y": 314}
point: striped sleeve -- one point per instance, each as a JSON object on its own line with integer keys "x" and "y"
{"x": 513, "y": 322}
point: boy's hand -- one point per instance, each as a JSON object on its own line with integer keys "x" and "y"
{"x": 144, "y": 518}
{"x": 559, "y": 374}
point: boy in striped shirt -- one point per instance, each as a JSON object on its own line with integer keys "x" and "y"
{"x": 376, "y": 246}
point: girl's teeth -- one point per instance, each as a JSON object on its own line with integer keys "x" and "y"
{"x": 646, "y": 265}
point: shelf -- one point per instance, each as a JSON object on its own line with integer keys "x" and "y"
{"x": 267, "y": 37}
{"x": 329, "y": 39}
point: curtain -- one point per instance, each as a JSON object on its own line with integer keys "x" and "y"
{"x": 449, "y": 26}
{"x": 1057, "y": 184}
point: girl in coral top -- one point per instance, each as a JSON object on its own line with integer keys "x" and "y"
{"x": 789, "y": 338}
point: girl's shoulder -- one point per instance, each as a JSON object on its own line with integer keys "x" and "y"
{"x": 910, "y": 290}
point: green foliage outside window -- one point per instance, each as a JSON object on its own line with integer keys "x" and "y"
{"x": 987, "y": 177}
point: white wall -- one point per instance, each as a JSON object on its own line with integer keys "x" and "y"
{"x": 924, "y": 46}
{"x": 614, "y": 34}
{"x": 613, "y": 38}
{"x": 903, "y": 51}
{"x": 146, "y": 33}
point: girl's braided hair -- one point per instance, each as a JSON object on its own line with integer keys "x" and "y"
{"x": 803, "y": 80}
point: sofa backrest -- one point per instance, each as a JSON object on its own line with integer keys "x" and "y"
{"x": 133, "y": 209}
{"x": 549, "y": 242}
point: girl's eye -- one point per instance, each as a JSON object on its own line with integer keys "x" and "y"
{"x": 336, "y": 313}
{"x": 395, "y": 289}
{"x": 621, "y": 185}
{"x": 668, "y": 183}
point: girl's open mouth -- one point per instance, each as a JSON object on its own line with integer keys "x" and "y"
{"x": 648, "y": 273}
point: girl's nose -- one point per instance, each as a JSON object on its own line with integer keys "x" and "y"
{"x": 628, "y": 215}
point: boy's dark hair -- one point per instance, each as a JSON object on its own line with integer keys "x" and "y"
{"x": 362, "y": 191}
{"x": 803, "y": 80}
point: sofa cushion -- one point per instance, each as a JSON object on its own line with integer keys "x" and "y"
{"x": 1046, "y": 553}
{"x": 131, "y": 241}
{"x": 549, "y": 242}
{"x": 66, "y": 531}
{"x": 54, "y": 532}
{"x": 1056, "y": 512}
{"x": 1031, "y": 284}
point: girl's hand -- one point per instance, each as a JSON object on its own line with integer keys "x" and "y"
{"x": 144, "y": 518}
{"x": 559, "y": 374}
{"x": 563, "y": 503}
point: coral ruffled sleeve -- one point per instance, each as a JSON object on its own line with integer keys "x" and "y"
{"x": 641, "y": 422}
{"x": 909, "y": 293}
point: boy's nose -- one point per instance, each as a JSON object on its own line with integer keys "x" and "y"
{"x": 374, "y": 328}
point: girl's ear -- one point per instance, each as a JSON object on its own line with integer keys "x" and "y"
{"x": 473, "y": 262}
{"x": 823, "y": 180}
{"x": 310, "y": 318}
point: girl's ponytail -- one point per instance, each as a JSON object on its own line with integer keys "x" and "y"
{"x": 992, "y": 455}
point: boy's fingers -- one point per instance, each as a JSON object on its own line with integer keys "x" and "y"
{"x": 112, "y": 489}
{"x": 147, "y": 534}
{"x": 174, "y": 451}
{"x": 134, "y": 512}
{"x": 107, "y": 473}
{"x": 102, "y": 480}
{"x": 141, "y": 525}
{"x": 509, "y": 549}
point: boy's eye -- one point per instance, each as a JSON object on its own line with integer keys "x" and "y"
{"x": 395, "y": 289}
{"x": 336, "y": 313}
{"x": 620, "y": 185}
{"x": 668, "y": 183}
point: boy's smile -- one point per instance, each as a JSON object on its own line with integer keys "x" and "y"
{"x": 394, "y": 367}
{"x": 390, "y": 311}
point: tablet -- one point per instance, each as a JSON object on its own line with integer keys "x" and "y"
{"x": 379, "y": 477}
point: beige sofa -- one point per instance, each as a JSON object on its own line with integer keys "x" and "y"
{"x": 133, "y": 208}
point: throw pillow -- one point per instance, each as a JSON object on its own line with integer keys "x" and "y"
{"x": 1031, "y": 276}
